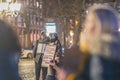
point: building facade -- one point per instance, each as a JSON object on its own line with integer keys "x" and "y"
{"x": 29, "y": 22}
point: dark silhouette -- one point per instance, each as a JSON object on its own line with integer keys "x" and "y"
{"x": 10, "y": 50}
{"x": 99, "y": 54}
{"x": 100, "y": 38}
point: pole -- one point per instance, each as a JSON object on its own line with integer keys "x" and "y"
{"x": 64, "y": 33}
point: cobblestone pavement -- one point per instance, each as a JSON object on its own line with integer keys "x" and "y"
{"x": 26, "y": 69}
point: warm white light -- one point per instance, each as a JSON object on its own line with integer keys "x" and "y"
{"x": 8, "y": 0}
{"x": 76, "y": 22}
{"x": 86, "y": 11}
{"x": 71, "y": 33}
{"x": 40, "y": 6}
{"x": 3, "y": 6}
{"x": 15, "y": 7}
{"x": 71, "y": 41}
{"x": 119, "y": 29}
{"x": 47, "y": 34}
{"x": 37, "y": 3}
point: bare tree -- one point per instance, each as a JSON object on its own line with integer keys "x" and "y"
{"x": 64, "y": 9}
{"x": 25, "y": 15}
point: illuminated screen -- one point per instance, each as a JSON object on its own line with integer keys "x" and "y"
{"x": 50, "y": 28}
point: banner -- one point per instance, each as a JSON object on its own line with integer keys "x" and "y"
{"x": 48, "y": 55}
{"x": 41, "y": 48}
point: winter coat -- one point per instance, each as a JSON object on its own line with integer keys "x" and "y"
{"x": 106, "y": 65}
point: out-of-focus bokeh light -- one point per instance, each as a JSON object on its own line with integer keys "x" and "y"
{"x": 119, "y": 29}
{"x": 8, "y": 0}
{"x": 71, "y": 41}
{"x": 37, "y": 3}
{"x": 3, "y": 6}
{"x": 15, "y": 7}
{"x": 11, "y": 7}
{"x": 76, "y": 22}
{"x": 71, "y": 33}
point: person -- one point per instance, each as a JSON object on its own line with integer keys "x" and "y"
{"x": 38, "y": 57}
{"x": 51, "y": 71}
{"x": 100, "y": 46}
{"x": 100, "y": 40}
{"x": 70, "y": 63}
{"x": 10, "y": 50}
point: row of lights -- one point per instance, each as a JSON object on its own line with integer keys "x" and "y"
{"x": 10, "y": 7}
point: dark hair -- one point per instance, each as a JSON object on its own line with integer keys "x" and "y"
{"x": 71, "y": 59}
{"x": 8, "y": 38}
{"x": 42, "y": 33}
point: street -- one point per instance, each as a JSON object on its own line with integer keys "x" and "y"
{"x": 26, "y": 69}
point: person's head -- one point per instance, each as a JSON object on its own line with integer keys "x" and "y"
{"x": 51, "y": 36}
{"x": 43, "y": 35}
{"x": 10, "y": 50}
{"x": 70, "y": 63}
{"x": 101, "y": 24}
{"x": 55, "y": 34}
{"x": 57, "y": 56}
{"x": 8, "y": 39}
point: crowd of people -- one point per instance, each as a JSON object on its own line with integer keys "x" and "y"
{"x": 96, "y": 57}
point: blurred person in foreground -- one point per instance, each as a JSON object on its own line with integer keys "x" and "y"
{"x": 100, "y": 39}
{"x": 70, "y": 63}
{"x": 9, "y": 53}
{"x": 100, "y": 47}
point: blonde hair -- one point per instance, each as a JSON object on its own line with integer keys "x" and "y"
{"x": 106, "y": 13}
{"x": 105, "y": 21}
